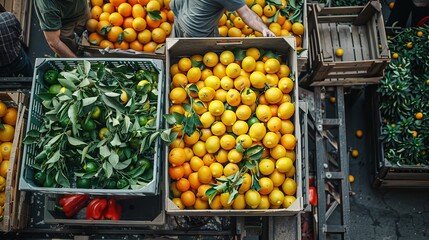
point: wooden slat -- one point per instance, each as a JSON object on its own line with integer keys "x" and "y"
{"x": 336, "y": 19}
{"x": 335, "y": 40}
{"x": 372, "y": 38}
{"x": 370, "y": 10}
{"x": 326, "y": 40}
{"x": 365, "y": 43}
{"x": 16, "y": 9}
{"x": 357, "y": 45}
{"x": 345, "y": 39}
{"x": 8, "y": 5}
{"x": 341, "y": 10}
{"x": 347, "y": 82}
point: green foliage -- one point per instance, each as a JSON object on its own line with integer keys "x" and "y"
{"x": 63, "y": 145}
{"x": 404, "y": 92}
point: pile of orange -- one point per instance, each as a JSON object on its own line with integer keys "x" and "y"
{"x": 232, "y": 25}
{"x": 8, "y": 117}
{"x": 240, "y": 103}
{"x": 140, "y": 25}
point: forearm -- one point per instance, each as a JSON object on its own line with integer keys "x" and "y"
{"x": 58, "y": 46}
{"x": 254, "y": 21}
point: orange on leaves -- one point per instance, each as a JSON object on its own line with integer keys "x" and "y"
{"x": 5, "y": 149}
{"x": 10, "y": 116}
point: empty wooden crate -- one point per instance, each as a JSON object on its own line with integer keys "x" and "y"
{"x": 359, "y": 32}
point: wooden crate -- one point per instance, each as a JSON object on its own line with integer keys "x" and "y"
{"x": 386, "y": 174}
{"x": 359, "y": 31}
{"x": 180, "y": 47}
{"x": 22, "y": 11}
{"x": 16, "y": 206}
{"x": 302, "y": 58}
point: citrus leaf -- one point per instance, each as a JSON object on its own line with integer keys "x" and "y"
{"x": 75, "y": 142}
{"x": 155, "y": 15}
{"x": 179, "y": 117}
{"x": 105, "y": 30}
{"x": 84, "y": 153}
{"x": 87, "y": 66}
{"x": 104, "y": 151}
{"x": 108, "y": 169}
{"x": 211, "y": 193}
{"x": 116, "y": 141}
{"x": 113, "y": 103}
{"x": 55, "y": 157}
{"x": 193, "y": 88}
{"x": 54, "y": 139}
{"x": 88, "y": 101}
{"x": 114, "y": 159}
{"x": 232, "y": 195}
{"x": 239, "y": 54}
{"x": 61, "y": 179}
{"x": 170, "y": 119}
{"x": 122, "y": 165}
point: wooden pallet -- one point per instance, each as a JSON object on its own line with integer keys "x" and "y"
{"x": 359, "y": 31}
{"x": 22, "y": 11}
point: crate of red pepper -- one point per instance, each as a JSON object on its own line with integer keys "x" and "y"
{"x": 80, "y": 209}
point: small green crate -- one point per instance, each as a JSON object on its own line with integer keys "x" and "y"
{"x": 36, "y": 115}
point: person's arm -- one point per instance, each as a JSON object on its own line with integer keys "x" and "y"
{"x": 254, "y": 21}
{"x": 55, "y": 43}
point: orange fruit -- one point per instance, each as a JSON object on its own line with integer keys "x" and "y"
{"x": 4, "y": 167}
{"x": 150, "y": 46}
{"x": 188, "y": 198}
{"x": 176, "y": 172}
{"x": 102, "y": 27}
{"x": 139, "y": 24}
{"x": 107, "y": 44}
{"x": 205, "y": 175}
{"x": 125, "y": 9}
{"x": 166, "y": 26}
{"x": 123, "y": 45}
{"x": 234, "y": 32}
{"x": 210, "y": 59}
{"x": 3, "y": 108}
{"x": 297, "y": 28}
{"x": 193, "y": 180}
{"x": 287, "y": 127}
{"x": 7, "y": 133}
{"x": 419, "y": 115}
{"x": 170, "y": 16}
{"x": 129, "y": 35}
{"x": 136, "y": 45}
{"x": 143, "y": 2}
{"x": 152, "y": 23}
{"x": 108, "y": 7}
{"x": 104, "y": 16}
{"x": 115, "y": 34}
{"x": 183, "y": 185}
{"x": 116, "y": 19}
{"x": 153, "y": 5}
{"x": 95, "y": 38}
{"x": 177, "y": 156}
{"x": 133, "y": 2}
{"x": 128, "y": 22}
{"x": 95, "y": 12}
{"x": 145, "y": 37}
{"x": 91, "y": 25}
{"x": 5, "y": 149}
{"x": 116, "y": 3}
{"x": 97, "y": 2}
{"x": 138, "y": 11}
{"x": 159, "y": 35}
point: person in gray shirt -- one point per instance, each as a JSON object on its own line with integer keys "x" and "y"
{"x": 199, "y": 18}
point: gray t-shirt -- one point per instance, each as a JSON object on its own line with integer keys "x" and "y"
{"x": 199, "y": 18}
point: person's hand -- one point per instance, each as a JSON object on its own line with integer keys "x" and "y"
{"x": 267, "y": 33}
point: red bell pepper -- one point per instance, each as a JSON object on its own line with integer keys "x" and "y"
{"x": 114, "y": 210}
{"x": 71, "y": 204}
{"x": 96, "y": 208}
{"x": 312, "y": 196}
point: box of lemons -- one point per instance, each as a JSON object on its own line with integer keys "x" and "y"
{"x": 237, "y": 147}
{"x": 94, "y": 127}
{"x": 12, "y": 108}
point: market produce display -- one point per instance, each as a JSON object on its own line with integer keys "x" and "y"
{"x": 231, "y": 112}
{"x": 283, "y": 18}
{"x": 8, "y": 117}
{"x": 405, "y": 99}
{"x": 99, "y": 127}
{"x": 141, "y": 25}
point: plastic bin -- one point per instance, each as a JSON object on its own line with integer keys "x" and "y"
{"x": 36, "y": 115}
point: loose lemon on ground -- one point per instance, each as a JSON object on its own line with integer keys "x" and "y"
{"x": 339, "y": 52}
{"x": 284, "y": 164}
{"x": 288, "y": 200}
{"x": 351, "y": 178}
{"x": 246, "y": 184}
{"x": 359, "y": 133}
{"x": 4, "y": 166}
{"x": 419, "y": 115}
{"x": 355, "y": 153}
{"x": 230, "y": 169}
{"x": 257, "y": 131}
{"x": 276, "y": 197}
{"x": 266, "y": 166}
{"x": 253, "y": 198}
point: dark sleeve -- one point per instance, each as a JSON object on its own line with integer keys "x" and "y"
{"x": 49, "y": 16}
{"x": 232, "y": 5}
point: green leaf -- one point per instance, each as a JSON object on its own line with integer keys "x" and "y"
{"x": 68, "y": 80}
{"x": 179, "y": 117}
{"x": 193, "y": 88}
{"x": 106, "y": 29}
{"x": 104, "y": 151}
{"x": 75, "y": 142}
{"x": 122, "y": 165}
{"x": 73, "y": 113}
{"x": 55, "y": 157}
{"x": 255, "y": 183}
{"x": 84, "y": 153}
{"x": 232, "y": 195}
{"x": 88, "y": 101}
{"x": 155, "y": 15}
{"x": 165, "y": 135}
{"x": 87, "y": 66}
{"x": 114, "y": 159}
{"x": 113, "y": 103}
{"x": 116, "y": 141}
{"x": 196, "y": 63}
{"x": 61, "y": 179}
{"x": 239, "y": 54}
{"x": 108, "y": 169}
{"x": 112, "y": 94}
{"x": 153, "y": 137}
{"x": 211, "y": 193}
{"x": 54, "y": 139}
